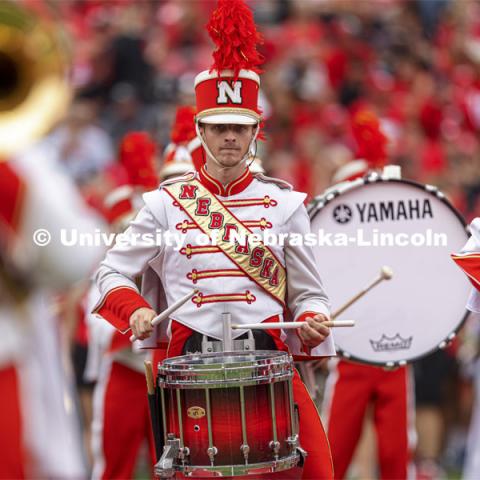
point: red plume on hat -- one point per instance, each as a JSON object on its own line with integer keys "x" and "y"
{"x": 184, "y": 125}
{"x": 371, "y": 142}
{"x": 371, "y": 147}
{"x": 137, "y": 155}
{"x": 184, "y": 146}
{"x": 235, "y": 35}
{"x": 228, "y": 92}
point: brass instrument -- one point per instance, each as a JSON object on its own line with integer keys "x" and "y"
{"x": 34, "y": 93}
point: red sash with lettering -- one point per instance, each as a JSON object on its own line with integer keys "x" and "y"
{"x": 216, "y": 221}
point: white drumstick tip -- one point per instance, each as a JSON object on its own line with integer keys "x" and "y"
{"x": 386, "y": 272}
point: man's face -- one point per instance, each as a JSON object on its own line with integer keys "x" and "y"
{"x": 228, "y": 143}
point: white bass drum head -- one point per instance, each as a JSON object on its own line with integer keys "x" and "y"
{"x": 413, "y": 230}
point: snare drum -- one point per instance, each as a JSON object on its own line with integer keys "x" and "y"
{"x": 411, "y": 228}
{"x": 228, "y": 414}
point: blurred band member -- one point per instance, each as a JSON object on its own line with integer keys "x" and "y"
{"x": 112, "y": 362}
{"x": 351, "y": 386}
{"x": 38, "y": 422}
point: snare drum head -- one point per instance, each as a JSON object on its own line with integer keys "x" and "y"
{"x": 218, "y": 369}
{"x": 411, "y": 229}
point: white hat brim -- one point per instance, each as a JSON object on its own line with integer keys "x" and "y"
{"x": 228, "y": 119}
{"x": 351, "y": 169}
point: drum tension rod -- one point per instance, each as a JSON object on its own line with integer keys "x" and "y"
{"x": 274, "y": 444}
{"x": 212, "y": 450}
{"x": 244, "y": 448}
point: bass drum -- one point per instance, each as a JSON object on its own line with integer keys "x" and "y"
{"x": 411, "y": 228}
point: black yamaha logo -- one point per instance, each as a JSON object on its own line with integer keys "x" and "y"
{"x": 342, "y": 214}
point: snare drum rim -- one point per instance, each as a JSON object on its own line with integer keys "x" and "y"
{"x": 279, "y": 465}
{"x": 268, "y": 354}
{"x": 234, "y": 383}
{"x": 282, "y": 363}
{"x": 321, "y": 201}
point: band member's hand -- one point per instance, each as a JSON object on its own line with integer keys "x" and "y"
{"x": 313, "y": 332}
{"x": 141, "y": 322}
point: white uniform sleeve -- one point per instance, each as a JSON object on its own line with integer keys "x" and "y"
{"x": 53, "y": 204}
{"x": 305, "y": 289}
{"x": 129, "y": 257}
{"x": 100, "y": 335}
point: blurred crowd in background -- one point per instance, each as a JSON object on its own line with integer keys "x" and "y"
{"x": 415, "y": 63}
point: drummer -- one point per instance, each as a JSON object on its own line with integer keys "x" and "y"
{"x": 252, "y": 282}
{"x": 469, "y": 261}
{"x": 353, "y": 387}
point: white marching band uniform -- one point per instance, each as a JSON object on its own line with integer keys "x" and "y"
{"x": 266, "y": 206}
{"x": 30, "y": 334}
{"x": 471, "y": 469}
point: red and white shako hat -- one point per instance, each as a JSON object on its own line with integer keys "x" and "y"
{"x": 121, "y": 206}
{"x": 228, "y": 92}
{"x": 137, "y": 155}
{"x": 183, "y": 153}
{"x": 371, "y": 145}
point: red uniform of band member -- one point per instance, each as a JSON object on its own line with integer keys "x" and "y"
{"x": 111, "y": 363}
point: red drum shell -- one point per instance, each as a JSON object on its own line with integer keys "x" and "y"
{"x": 193, "y": 384}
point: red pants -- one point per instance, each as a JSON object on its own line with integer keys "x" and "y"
{"x": 350, "y": 389}
{"x": 11, "y": 445}
{"x": 121, "y": 422}
{"x": 318, "y": 465}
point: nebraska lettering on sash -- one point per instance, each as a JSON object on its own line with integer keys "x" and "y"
{"x": 202, "y": 207}
{"x": 228, "y": 229}
{"x": 257, "y": 256}
{"x": 244, "y": 248}
{"x": 188, "y": 191}
{"x": 215, "y": 220}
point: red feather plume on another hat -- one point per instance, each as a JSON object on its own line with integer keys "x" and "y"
{"x": 233, "y": 30}
{"x": 184, "y": 125}
{"x": 137, "y": 155}
{"x": 371, "y": 142}
{"x": 184, "y": 147}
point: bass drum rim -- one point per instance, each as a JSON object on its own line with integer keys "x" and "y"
{"x": 318, "y": 203}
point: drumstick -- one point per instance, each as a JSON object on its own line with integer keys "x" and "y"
{"x": 386, "y": 273}
{"x": 149, "y": 377}
{"x": 167, "y": 312}
{"x": 289, "y": 325}
{"x": 153, "y": 405}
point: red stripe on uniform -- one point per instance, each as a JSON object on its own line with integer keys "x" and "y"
{"x": 12, "y": 194}
{"x": 470, "y": 264}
